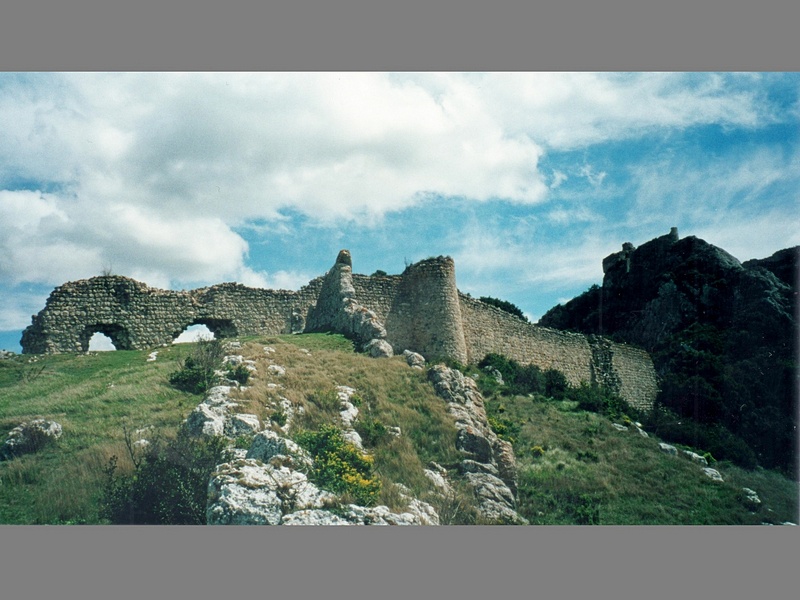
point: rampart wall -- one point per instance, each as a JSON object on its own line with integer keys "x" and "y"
{"x": 421, "y": 310}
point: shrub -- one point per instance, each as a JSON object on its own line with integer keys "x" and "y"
{"x": 239, "y": 373}
{"x": 168, "y": 485}
{"x": 278, "y": 417}
{"x": 506, "y": 429}
{"x": 198, "y": 371}
{"x": 598, "y": 399}
{"x": 371, "y": 430}
{"x": 555, "y": 384}
{"x": 339, "y": 466}
{"x": 518, "y": 379}
{"x": 713, "y": 439}
{"x": 504, "y": 306}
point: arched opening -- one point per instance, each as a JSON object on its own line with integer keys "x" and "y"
{"x": 100, "y": 342}
{"x": 194, "y": 333}
{"x": 105, "y": 336}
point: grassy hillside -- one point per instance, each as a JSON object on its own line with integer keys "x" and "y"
{"x": 574, "y": 466}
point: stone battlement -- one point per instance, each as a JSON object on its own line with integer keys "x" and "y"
{"x": 419, "y": 310}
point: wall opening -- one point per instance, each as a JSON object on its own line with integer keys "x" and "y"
{"x": 105, "y": 336}
{"x": 194, "y": 333}
{"x": 221, "y": 328}
{"x": 100, "y": 342}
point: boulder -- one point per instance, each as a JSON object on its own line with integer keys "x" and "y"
{"x": 712, "y": 474}
{"x": 268, "y": 444}
{"x": 242, "y": 424}
{"x": 696, "y": 458}
{"x": 750, "y": 499}
{"x": 414, "y": 359}
{"x": 205, "y": 420}
{"x": 668, "y": 449}
{"x": 378, "y": 348}
{"x": 247, "y": 492}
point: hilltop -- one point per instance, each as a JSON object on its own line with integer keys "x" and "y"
{"x": 722, "y": 335}
{"x": 571, "y": 465}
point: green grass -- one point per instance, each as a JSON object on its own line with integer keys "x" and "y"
{"x": 583, "y": 471}
{"x": 590, "y": 473}
{"x": 93, "y": 397}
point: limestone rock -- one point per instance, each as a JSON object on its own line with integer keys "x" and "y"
{"x": 750, "y": 499}
{"x": 438, "y": 477}
{"x": 472, "y": 466}
{"x": 314, "y": 517}
{"x": 205, "y": 420}
{"x": 378, "y": 348}
{"x": 267, "y": 444}
{"x": 712, "y": 473}
{"x": 668, "y": 449}
{"x": 29, "y": 437}
{"x": 619, "y": 427}
{"x": 276, "y": 370}
{"x": 242, "y": 424}
{"x": 490, "y": 468}
{"x": 246, "y": 492}
{"x": 414, "y": 359}
{"x": 696, "y": 458}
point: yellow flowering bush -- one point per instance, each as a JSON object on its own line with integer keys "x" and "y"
{"x": 339, "y": 466}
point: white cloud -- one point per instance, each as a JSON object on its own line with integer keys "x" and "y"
{"x": 151, "y": 174}
{"x": 740, "y": 204}
{"x": 16, "y": 308}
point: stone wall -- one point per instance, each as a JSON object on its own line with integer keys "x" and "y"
{"x": 138, "y": 317}
{"x": 425, "y": 315}
{"x": 489, "y": 329}
{"x": 626, "y": 370}
{"x": 421, "y": 310}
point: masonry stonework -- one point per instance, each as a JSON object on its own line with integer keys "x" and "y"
{"x": 420, "y": 310}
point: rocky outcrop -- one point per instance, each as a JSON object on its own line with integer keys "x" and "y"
{"x": 489, "y": 466}
{"x": 269, "y": 487}
{"x": 721, "y": 333}
{"x": 29, "y": 437}
{"x": 338, "y": 310}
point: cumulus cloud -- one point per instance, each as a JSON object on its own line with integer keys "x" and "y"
{"x": 153, "y": 173}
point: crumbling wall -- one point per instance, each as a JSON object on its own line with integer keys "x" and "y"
{"x": 138, "y": 317}
{"x": 420, "y": 310}
{"x": 425, "y": 315}
{"x": 489, "y": 329}
{"x": 626, "y": 370}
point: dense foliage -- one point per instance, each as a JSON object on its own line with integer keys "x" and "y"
{"x": 504, "y": 305}
{"x": 339, "y": 466}
{"x": 168, "y": 484}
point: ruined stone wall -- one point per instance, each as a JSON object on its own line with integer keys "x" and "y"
{"x": 425, "y": 315}
{"x": 132, "y": 314}
{"x": 489, "y": 329}
{"x": 138, "y": 317}
{"x": 421, "y": 310}
{"x": 639, "y": 383}
{"x": 377, "y": 293}
{"x": 626, "y": 370}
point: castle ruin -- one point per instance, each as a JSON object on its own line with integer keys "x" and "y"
{"x": 419, "y": 310}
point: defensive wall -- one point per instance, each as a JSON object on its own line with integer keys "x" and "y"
{"x": 420, "y": 310}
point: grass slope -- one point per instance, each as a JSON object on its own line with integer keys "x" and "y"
{"x": 584, "y": 470}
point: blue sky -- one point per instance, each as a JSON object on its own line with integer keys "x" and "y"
{"x": 526, "y": 179}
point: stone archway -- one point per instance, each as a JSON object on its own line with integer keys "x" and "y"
{"x": 221, "y": 328}
{"x": 118, "y": 334}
